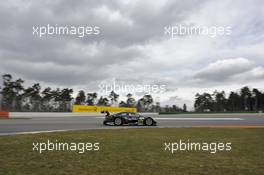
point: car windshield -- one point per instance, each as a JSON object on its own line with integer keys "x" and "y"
{"x": 122, "y": 113}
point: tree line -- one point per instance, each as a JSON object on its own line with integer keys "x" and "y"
{"x": 245, "y": 99}
{"x": 16, "y": 97}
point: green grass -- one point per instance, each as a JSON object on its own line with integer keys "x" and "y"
{"x": 136, "y": 151}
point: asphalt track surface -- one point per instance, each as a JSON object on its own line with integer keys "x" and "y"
{"x": 52, "y": 124}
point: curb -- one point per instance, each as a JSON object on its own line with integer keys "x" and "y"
{"x": 4, "y": 114}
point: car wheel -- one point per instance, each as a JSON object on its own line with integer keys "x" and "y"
{"x": 148, "y": 121}
{"x": 118, "y": 121}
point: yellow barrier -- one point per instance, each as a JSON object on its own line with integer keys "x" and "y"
{"x": 81, "y": 108}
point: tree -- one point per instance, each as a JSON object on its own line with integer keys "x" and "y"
{"x": 11, "y": 92}
{"x": 157, "y": 107}
{"x": 145, "y": 103}
{"x": 91, "y": 97}
{"x": 33, "y": 92}
{"x": 203, "y": 102}
{"x": 257, "y": 96}
{"x": 246, "y": 96}
{"x": 47, "y": 94}
{"x": 66, "y": 94}
{"x": 234, "y": 102}
{"x": 219, "y": 101}
{"x": 148, "y": 101}
{"x": 245, "y": 100}
{"x": 184, "y": 108}
{"x": 103, "y": 101}
{"x": 113, "y": 97}
{"x": 131, "y": 102}
{"x": 80, "y": 99}
{"x": 65, "y": 97}
{"x": 140, "y": 105}
{"x": 122, "y": 104}
{"x": 175, "y": 108}
{"x": 32, "y": 98}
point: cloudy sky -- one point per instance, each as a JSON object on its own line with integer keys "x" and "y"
{"x": 132, "y": 47}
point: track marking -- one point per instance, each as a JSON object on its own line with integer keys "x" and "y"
{"x": 229, "y": 126}
{"x": 79, "y": 129}
{"x": 194, "y": 118}
{"x": 199, "y": 119}
{"x": 32, "y": 132}
{"x": 127, "y": 127}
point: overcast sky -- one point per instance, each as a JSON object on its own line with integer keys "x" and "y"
{"x": 132, "y": 47}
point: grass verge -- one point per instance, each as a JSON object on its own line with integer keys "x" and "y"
{"x": 136, "y": 151}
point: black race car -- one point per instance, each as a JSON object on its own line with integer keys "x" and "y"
{"x": 122, "y": 118}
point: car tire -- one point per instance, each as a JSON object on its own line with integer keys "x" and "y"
{"x": 118, "y": 121}
{"x": 148, "y": 121}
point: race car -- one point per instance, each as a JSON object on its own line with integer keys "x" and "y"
{"x": 123, "y": 118}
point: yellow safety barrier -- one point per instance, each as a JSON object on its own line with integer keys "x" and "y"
{"x": 81, "y": 108}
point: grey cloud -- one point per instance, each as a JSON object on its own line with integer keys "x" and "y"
{"x": 223, "y": 69}
{"x": 230, "y": 70}
{"x": 124, "y": 48}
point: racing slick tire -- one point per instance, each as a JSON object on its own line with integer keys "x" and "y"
{"x": 118, "y": 121}
{"x": 148, "y": 121}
